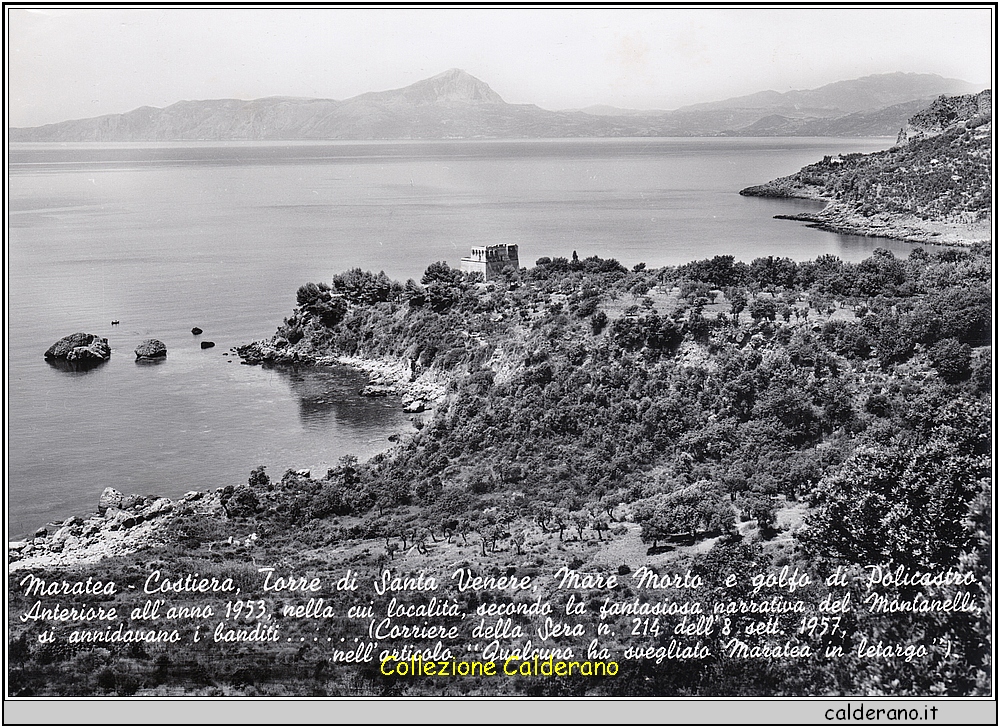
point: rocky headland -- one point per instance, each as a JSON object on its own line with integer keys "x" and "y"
{"x": 932, "y": 187}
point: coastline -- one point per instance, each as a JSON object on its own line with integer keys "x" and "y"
{"x": 840, "y": 218}
{"x": 115, "y": 533}
{"x": 88, "y": 539}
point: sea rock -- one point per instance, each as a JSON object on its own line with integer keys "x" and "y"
{"x": 195, "y": 331}
{"x": 110, "y": 498}
{"x": 192, "y": 495}
{"x": 207, "y": 344}
{"x": 375, "y": 390}
{"x": 41, "y": 533}
{"x": 263, "y": 352}
{"x": 415, "y": 406}
{"x": 151, "y": 349}
{"x": 80, "y": 347}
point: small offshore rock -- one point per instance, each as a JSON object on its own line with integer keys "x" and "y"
{"x": 80, "y": 347}
{"x": 192, "y": 495}
{"x": 303, "y": 472}
{"x": 41, "y": 533}
{"x": 196, "y": 331}
{"x": 151, "y": 349}
{"x": 110, "y": 498}
{"x": 207, "y": 344}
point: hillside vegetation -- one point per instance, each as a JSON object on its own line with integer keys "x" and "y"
{"x": 719, "y": 417}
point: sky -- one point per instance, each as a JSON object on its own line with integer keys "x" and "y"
{"x": 76, "y": 63}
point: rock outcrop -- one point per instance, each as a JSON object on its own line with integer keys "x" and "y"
{"x": 196, "y": 331}
{"x": 122, "y": 524}
{"x": 81, "y": 348}
{"x": 110, "y": 498}
{"x": 151, "y": 349}
{"x": 207, "y": 344}
{"x": 971, "y": 110}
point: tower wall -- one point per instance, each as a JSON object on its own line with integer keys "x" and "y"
{"x": 489, "y": 260}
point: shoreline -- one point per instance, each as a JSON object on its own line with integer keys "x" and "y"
{"x": 79, "y": 540}
{"x": 837, "y": 217}
{"x": 116, "y": 532}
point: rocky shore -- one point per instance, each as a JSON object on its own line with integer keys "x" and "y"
{"x": 837, "y": 218}
{"x": 840, "y": 218}
{"x": 122, "y": 524}
{"x": 387, "y": 376}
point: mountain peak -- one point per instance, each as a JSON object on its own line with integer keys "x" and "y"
{"x": 453, "y": 86}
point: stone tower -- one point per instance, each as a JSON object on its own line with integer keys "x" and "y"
{"x": 490, "y": 260}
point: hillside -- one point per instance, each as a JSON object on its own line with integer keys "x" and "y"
{"x": 456, "y": 105}
{"x": 705, "y": 425}
{"x": 934, "y": 185}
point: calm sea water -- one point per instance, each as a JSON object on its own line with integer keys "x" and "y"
{"x": 170, "y": 236}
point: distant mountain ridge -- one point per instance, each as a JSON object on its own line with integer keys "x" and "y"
{"x": 456, "y": 105}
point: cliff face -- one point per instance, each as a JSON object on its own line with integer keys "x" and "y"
{"x": 933, "y": 186}
{"x": 946, "y": 112}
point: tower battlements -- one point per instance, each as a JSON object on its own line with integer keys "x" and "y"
{"x": 490, "y": 260}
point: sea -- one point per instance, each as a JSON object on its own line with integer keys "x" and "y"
{"x": 166, "y": 237}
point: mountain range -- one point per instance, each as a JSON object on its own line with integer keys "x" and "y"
{"x": 456, "y": 105}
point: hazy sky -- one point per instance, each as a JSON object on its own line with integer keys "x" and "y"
{"x": 75, "y": 63}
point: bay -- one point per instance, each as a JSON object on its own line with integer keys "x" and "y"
{"x": 164, "y": 237}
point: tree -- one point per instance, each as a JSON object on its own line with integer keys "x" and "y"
{"x": 242, "y": 503}
{"x": 691, "y": 510}
{"x": 904, "y": 501}
{"x": 951, "y": 360}
{"x": 762, "y": 509}
{"x": 772, "y": 273}
{"x": 737, "y": 298}
{"x": 258, "y": 478}
{"x": 763, "y": 308}
{"x": 598, "y": 321}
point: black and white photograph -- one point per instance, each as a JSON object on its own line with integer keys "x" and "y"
{"x": 557, "y": 354}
